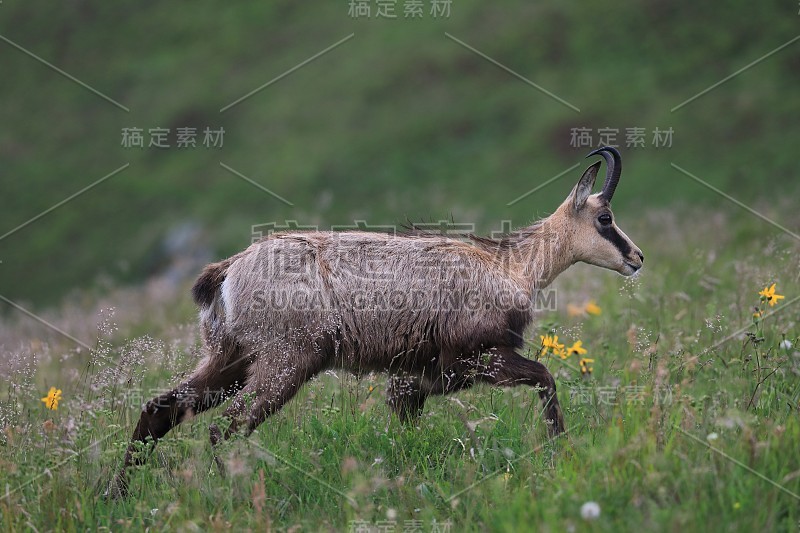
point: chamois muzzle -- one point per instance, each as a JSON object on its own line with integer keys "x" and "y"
{"x": 613, "y": 170}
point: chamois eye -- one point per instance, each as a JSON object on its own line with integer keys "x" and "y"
{"x": 604, "y": 219}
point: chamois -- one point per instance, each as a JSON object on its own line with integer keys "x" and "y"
{"x": 437, "y": 313}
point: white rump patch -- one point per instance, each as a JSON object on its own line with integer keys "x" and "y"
{"x": 227, "y": 299}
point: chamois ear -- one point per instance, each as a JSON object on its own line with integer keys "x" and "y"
{"x": 584, "y": 187}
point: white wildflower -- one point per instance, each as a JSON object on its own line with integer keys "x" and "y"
{"x": 590, "y": 511}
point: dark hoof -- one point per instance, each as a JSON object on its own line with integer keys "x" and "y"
{"x": 214, "y": 434}
{"x": 555, "y": 421}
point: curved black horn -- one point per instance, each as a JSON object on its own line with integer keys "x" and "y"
{"x": 613, "y": 169}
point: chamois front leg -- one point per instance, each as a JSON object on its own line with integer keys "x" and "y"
{"x": 508, "y": 368}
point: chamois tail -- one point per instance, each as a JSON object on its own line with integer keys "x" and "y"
{"x": 209, "y": 282}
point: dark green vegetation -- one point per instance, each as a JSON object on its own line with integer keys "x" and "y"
{"x": 403, "y": 122}
{"x": 400, "y": 121}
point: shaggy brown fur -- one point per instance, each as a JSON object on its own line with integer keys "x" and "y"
{"x": 437, "y": 313}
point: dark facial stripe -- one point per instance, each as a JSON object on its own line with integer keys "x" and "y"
{"x": 611, "y": 234}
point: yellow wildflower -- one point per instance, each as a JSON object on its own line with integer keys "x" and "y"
{"x": 551, "y": 342}
{"x": 52, "y": 398}
{"x": 576, "y": 348}
{"x": 585, "y": 368}
{"x": 592, "y": 308}
{"x": 576, "y": 310}
{"x": 547, "y": 341}
{"x": 769, "y": 295}
{"x": 557, "y": 347}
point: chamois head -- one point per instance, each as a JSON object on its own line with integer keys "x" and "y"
{"x": 592, "y": 231}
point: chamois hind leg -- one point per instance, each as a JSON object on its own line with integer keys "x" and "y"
{"x": 208, "y": 386}
{"x": 508, "y": 368}
{"x": 405, "y": 395}
{"x": 270, "y": 385}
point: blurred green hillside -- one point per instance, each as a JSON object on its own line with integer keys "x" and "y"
{"x": 400, "y": 121}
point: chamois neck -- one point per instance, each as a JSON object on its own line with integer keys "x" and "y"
{"x": 540, "y": 253}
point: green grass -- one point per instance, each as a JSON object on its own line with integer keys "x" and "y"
{"x": 664, "y": 380}
{"x": 398, "y": 122}
{"x": 402, "y": 122}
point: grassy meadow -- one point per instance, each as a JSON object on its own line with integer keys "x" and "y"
{"x": 688, "y": 421}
